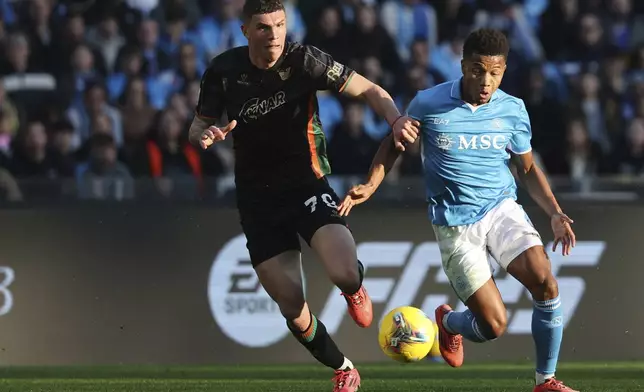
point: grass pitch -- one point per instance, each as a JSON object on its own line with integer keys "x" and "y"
{"x": 421, "y": 377}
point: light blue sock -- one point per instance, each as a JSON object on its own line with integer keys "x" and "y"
{"x": 464, "y": 323}
{"x": 547, "y": 332}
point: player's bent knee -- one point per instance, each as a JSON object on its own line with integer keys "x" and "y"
{"x": 544, "y": 288}
{"x": 532, "y": 269}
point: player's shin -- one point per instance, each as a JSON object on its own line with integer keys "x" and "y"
{"x": 547, "y": 332}
{"x": 319, "y": 343}
{"x": 464, "y": 323}
{"x": 355, "y": 286}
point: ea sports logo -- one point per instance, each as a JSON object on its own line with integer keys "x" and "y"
{"x": 241, "y": 307}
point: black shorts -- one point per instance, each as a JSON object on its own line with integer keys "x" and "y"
{"x": 272, "y": 223}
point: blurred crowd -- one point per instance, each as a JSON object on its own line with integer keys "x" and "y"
{"x": 100, "y": 92}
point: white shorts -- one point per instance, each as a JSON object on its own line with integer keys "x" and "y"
{"x": 504, "y": 233}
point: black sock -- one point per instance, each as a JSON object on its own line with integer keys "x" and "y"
{"x": 319, "y": 343}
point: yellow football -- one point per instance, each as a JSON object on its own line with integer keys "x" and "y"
{"x": 406, "y": 334}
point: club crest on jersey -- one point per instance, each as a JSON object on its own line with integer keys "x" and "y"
{"x": 243, "y": 80}
{"x": 497, "y": 123}
{"x": 285, "y": 73}
{"x": 444, "y": 141}
{"x": 256, "y": 108}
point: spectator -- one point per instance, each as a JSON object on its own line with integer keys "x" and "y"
{"x": 103, "y": 177}
{"x": 137, "y": 113}
{"x": 407, "y": 20}
{"x": 220, "y": 28}
{"x": 25, "y": 82}
{"x": 9, "y": 189}
{"x": 173, "y": 162}
{"x": 64, "y": 157}
{"x": 368, "y": 38}
{"x": 328, "y": 34}
{"x": 559, "y": 29}
{"x": 583, "y": 154}
{"x": 83, "y": 73}
{"x": 6, "y": 136}
{"x": 94, "y": 104}
{"x": 42, "y": 36}
{"x": 31, "y": 157}
{"x": 626, "y": 29}
{"x": 10, "y": 115}
{"x": 176, "y": 33}
{"x": 155, "y": 60}
{"x": 169, "y": 82}
{"x": 632, "y": 160}
{"x": 351, "y": 149}
{"x": 107, "y": 37}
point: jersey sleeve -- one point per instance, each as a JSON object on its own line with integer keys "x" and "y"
{"x": 520, "y": 143}
{"x": 327, "y": 74}
{"x": 414, "y": 109}
{"x": 211, "y": 95}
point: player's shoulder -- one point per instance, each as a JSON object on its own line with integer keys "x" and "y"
{"x": 230, "y": 60}
{"x": 440, "y": 91}
{"x": 298, "y": 52}
{"x": 509, "y": 101}
{"x": 434, "y": 97}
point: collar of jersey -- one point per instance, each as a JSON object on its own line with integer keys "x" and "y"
{"x": 456, "y": 91}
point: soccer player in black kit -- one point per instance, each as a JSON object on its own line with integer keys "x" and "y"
{"x": 268, "y": 91}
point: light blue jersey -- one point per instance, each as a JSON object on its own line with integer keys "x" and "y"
{"x": 464, "y": 151}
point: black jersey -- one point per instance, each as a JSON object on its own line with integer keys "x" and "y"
{"x": 278, "y": 141}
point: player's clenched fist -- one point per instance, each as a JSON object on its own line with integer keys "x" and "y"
{"x": 405, "y": 131}
{"x": 214, "y": 134}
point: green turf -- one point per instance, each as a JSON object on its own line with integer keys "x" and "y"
{"x": 423, "y": 377}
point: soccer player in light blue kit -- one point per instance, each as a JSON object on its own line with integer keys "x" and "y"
{"x": 471, "y": 134}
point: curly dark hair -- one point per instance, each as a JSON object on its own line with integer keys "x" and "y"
{"x": 486, "y": 42}
{"x": 258, "y": 7}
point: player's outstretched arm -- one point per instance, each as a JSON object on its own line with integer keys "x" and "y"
{"x": 405, "y": 129}
{"x": 536, "y": 183}
{"x": 382, "y": 163}
{"x": 328, "y": 74}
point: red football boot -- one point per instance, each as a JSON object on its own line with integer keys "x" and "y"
{"x": 360, "y": 307}
{"x": 346, "y": 380}
{"x": 553, "y": 385}
{"x": 451, "y": 345}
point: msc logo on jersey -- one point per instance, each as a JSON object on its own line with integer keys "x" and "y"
{"x": 482, "y": 142}
{"x": 474, "y": 142}
{"x": 254, "y": 108}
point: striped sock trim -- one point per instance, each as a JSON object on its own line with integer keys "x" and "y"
{"x": 550, "y": 304}
{"x": 309, "y": 334}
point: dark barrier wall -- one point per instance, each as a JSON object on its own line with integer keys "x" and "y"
{"x": 174, "y": 285}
